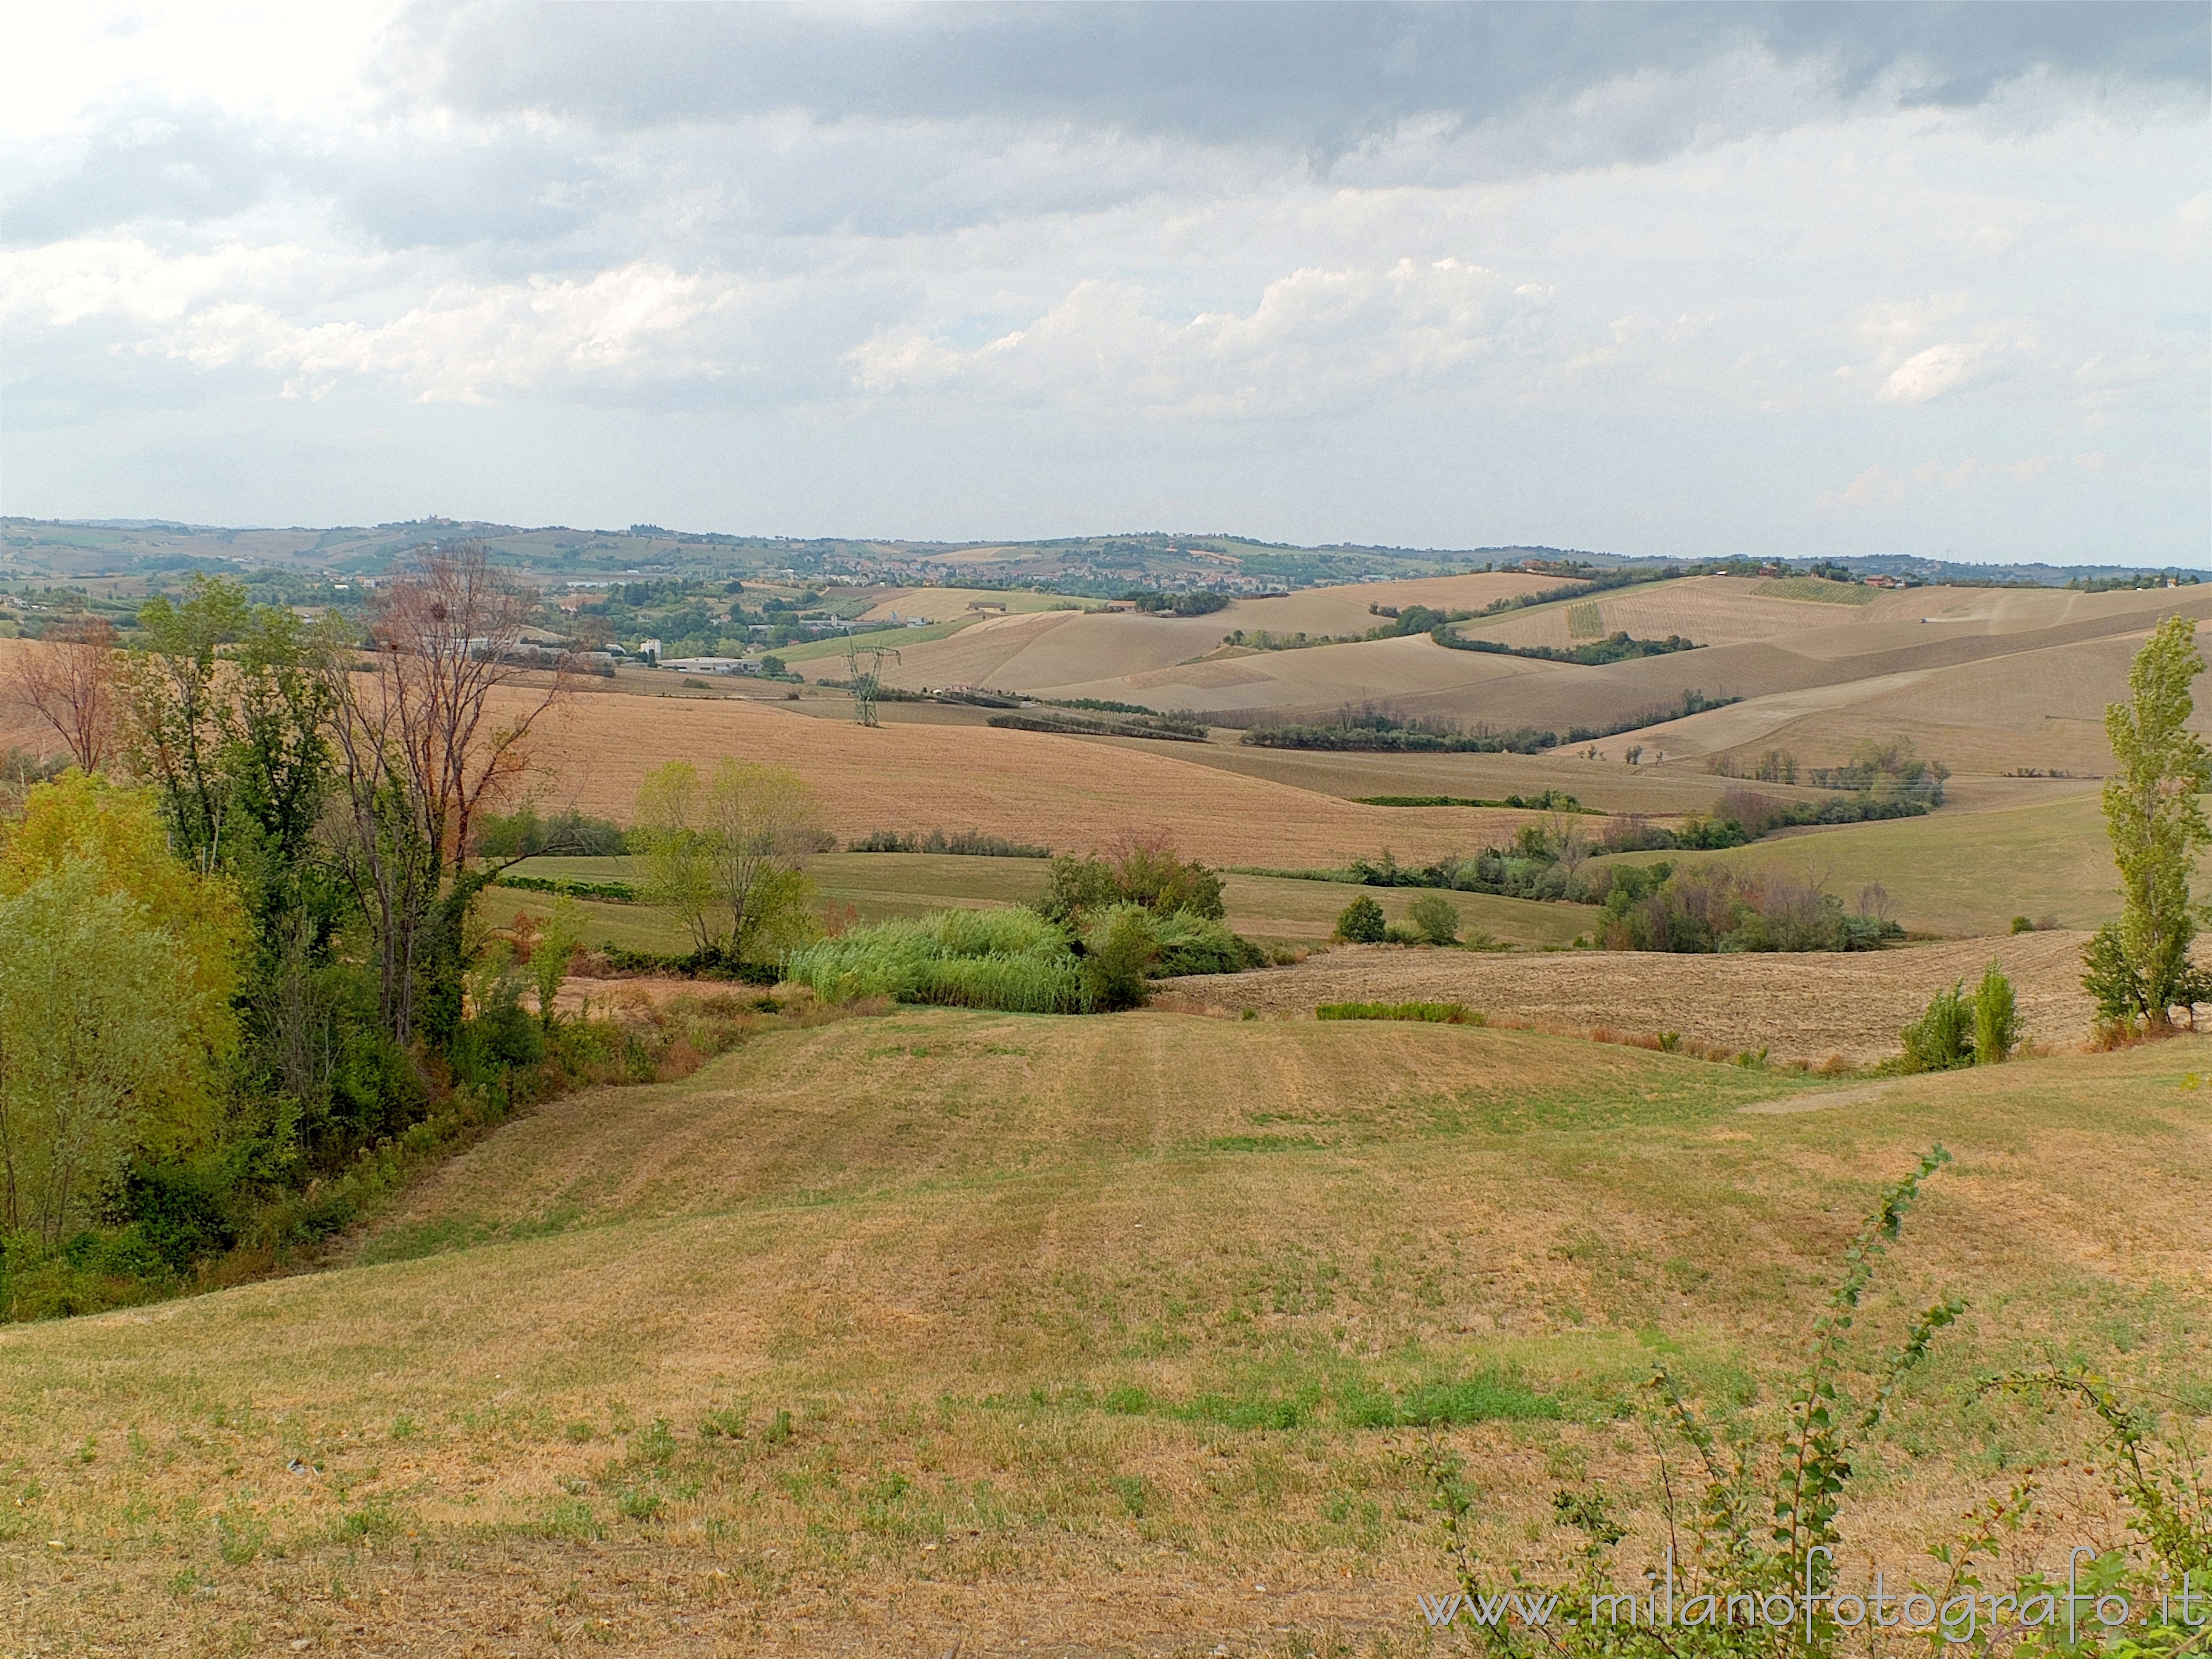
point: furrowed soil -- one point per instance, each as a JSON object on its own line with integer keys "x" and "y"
{"x": 1804, "y": 1008}
{"x": 940, "y": 1331}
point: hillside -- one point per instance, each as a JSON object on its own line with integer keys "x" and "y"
{"x": 2020, "y": 677}
{"x": 1033, "y": 1335}
{"x": 1067, "y": 793}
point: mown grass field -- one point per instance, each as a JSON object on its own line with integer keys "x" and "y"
{"x": 880, "y": 886}
{"x": 1037, "y": 1335}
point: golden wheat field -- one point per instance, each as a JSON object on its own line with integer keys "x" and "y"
{"x": 934, "y": 1331}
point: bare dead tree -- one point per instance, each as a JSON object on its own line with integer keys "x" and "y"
{"x": 432, "y": 731}
{"x": 68, "y": 682}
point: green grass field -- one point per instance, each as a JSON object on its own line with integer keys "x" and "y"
{"x": 882, "y": 886}
{"x": 1049, "y": 1335}
{"x": 1955, "y": 873}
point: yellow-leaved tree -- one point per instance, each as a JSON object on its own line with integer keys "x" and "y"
{"x": 727, "y": 857}
{"x": 118, "y": 967}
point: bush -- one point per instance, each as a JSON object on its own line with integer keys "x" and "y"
{"x": 570, "y": 835}
{"x": 972, "y": 843}
{"x": 1362, "y": 922}
{"x": 1120, "y": 948}
{"x": 1438, "y": 1013}
{"x": 1197, "y": 944}
{"x": 1943, "y": 1038}
{"x": 1146, "y": 872}
{"x": 2022, "y": 925}
{"x": 1402, "y": 932}
{"x": 1436, "y": 917}
{"x": 1719, "y": 909}
{"x": 1012, "y": 959}
{"x": 1996, "y": 1018}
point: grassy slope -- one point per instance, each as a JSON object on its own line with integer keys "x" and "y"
{"x": 944, "y": 1242}
{"x": 1955, "y": 873}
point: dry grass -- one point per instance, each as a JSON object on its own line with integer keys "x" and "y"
{"x": 940, "y": 1242}
{"x": 1803, "y": 1008}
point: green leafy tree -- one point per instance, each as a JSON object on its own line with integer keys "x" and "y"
{"x": 675, "y": 860}
{"x": 549, "y": 958}
{"x": 2140, "y": 969}
{"x": 728, "y": 857}
{"x": 179, "y": 722}
{"x": 1436, "y": 918}
{"x": 1943, "y": 1038}
{"x": 1998, "y": 1024}
{"x": 1362, "y": 922}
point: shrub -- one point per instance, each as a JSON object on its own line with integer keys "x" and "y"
{"x": 1719, "y": 909}
{"x": 1943, "y": 1038}
{"x": 2022, "y": 925}
{"x": 569, "y": 833}
{"x": 1120, "y": 948}
{"x": 1010, "y": 959}
{"x": 972, "y": 843}
{"x": 1996, "y": 1018}
{"x": 1196, "y": 944}
{"x": 1438, "y": 1013}
{"x": 1402, "y": 932}
{"x": 1436, "y": 917}
{"x": 1146, "y": 872}
{"x": 1362, "y": 922}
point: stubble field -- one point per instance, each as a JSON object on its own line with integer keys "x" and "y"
{"x": 1810, "y": 1009}
{"x": 1079, "y": 1337}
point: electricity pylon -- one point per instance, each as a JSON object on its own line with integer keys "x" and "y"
{"x": 865, "y": 681}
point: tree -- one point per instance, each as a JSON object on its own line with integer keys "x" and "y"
{"x": 430, "y": 738}
{"x": 68, "y": 682}
{"x": 761, "y": 823}
{"x": 672, "y": 851}
{"x": 728, "y": 857}
{"x": 2140, "y": 969}
{"x": 1436, "y": 917}
{"x": 1362, "y": 922}
{"x": 82, "y": 1039}
{"x": 81, "y": 822}
{"x": 179, "y": 724}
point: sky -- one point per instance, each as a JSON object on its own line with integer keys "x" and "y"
{"x": 1788, "y": 280}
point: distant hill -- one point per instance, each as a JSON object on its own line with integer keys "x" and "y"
{"x": 66, "y": 550}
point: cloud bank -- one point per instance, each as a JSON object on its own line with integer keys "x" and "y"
{"x": 1650, "y": 277}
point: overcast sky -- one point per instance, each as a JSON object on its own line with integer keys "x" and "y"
{"x": 1653, "y": 279}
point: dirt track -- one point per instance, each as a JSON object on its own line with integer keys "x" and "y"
{"x": 1798, "y": 1007}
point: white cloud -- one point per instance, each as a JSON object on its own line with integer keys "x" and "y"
{"x": 1878, "y": 486}
{"x": 1315, "y": 338}
{"x": 1931, "y": 372}
{"x": 1693, "y": 266}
